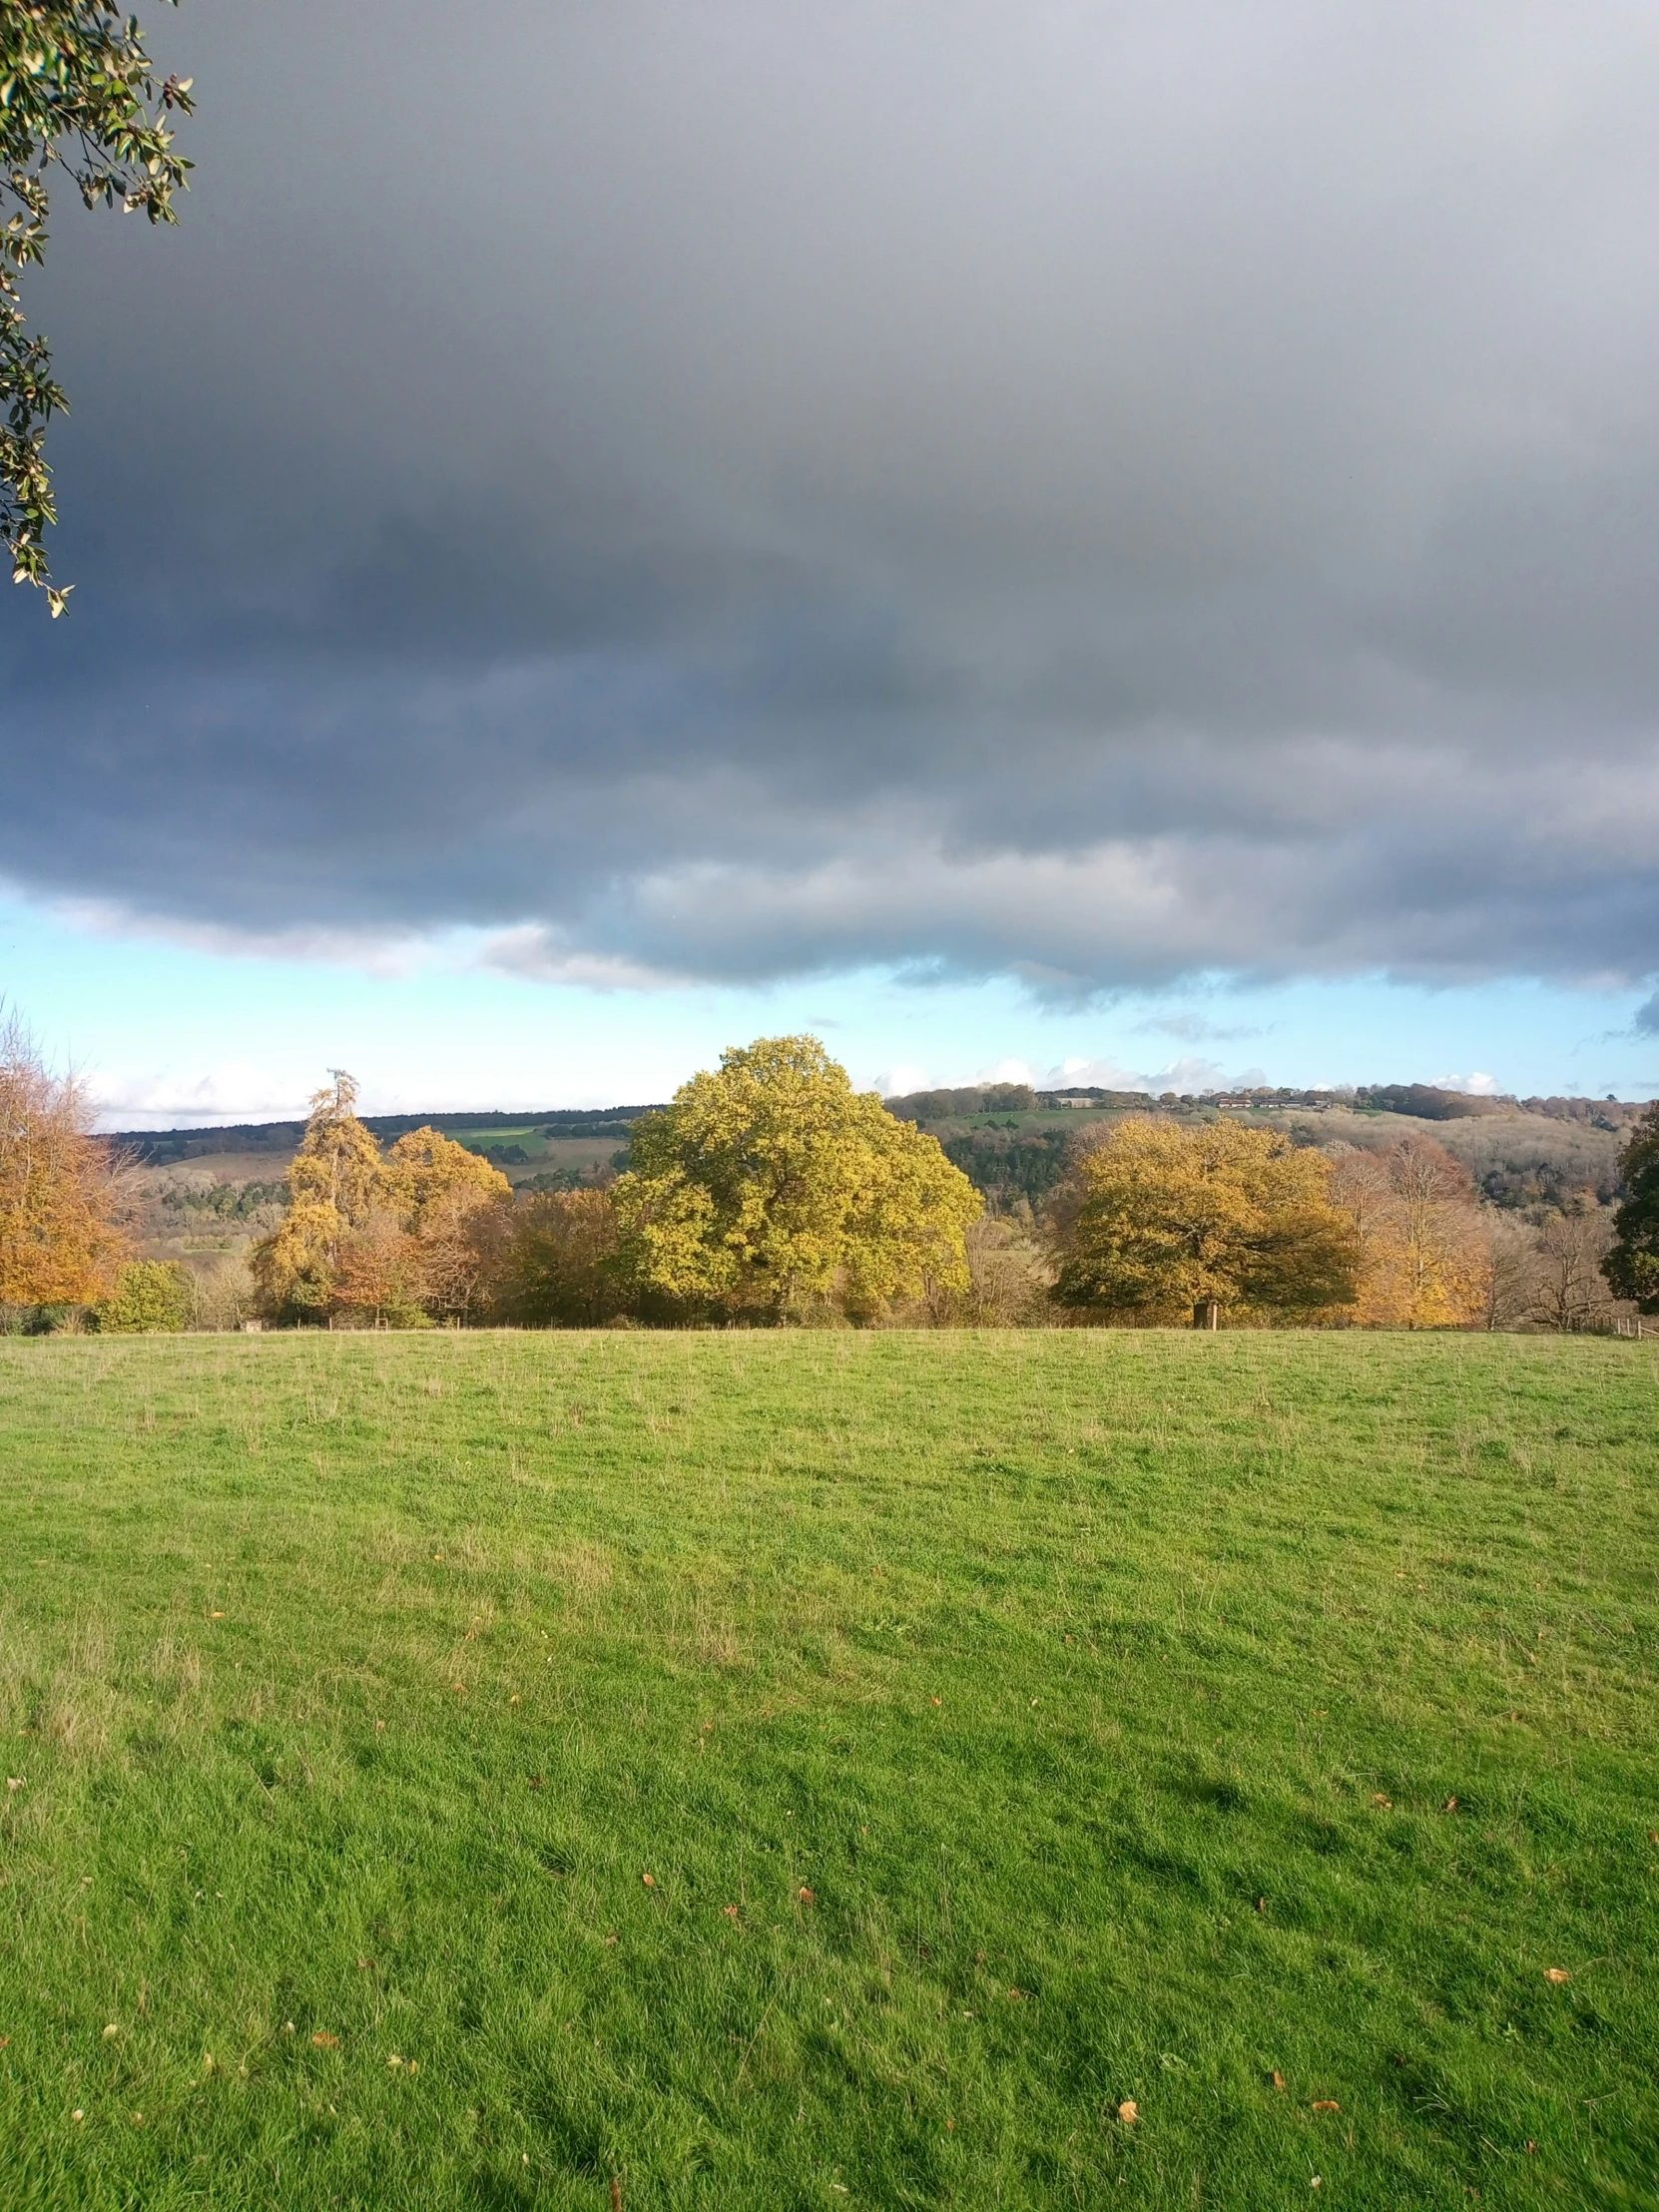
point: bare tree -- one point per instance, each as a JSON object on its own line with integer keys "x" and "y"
{"x": 1008, "y": 1280}
{"x": 1569, "y": 1293}
{"x": 1512, "y": 1282}
{"x": 1424, "y": 1256}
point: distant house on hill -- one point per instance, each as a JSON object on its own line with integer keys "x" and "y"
{"x": 1065, "y": 1099}
{"x": 1232, "y": 1102}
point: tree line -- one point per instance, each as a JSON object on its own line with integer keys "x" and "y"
{"x": 770, "y": 1192}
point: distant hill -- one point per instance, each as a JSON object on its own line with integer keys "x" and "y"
{"x": 1014, "y": 1143}
{"x": 162, "y": 1148}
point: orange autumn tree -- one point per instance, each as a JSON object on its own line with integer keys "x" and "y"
{"x": 1425, "y": 1255}
{"x": 59, "y": 1241}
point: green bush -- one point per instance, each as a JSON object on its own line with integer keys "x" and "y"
{"x": 152, "y": 1298}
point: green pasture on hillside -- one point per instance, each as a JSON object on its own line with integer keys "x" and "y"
{"x": 1012, "y": 1728}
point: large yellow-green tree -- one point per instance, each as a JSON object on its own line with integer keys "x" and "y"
{"x": 771, "y": 1187}
{"x": 1166, "y": 1222}
{"x": 60, "y": 1243}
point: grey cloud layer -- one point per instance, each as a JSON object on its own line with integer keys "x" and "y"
{"x": 1098, "y": 493}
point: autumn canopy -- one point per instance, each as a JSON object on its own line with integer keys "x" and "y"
{"x": 769, "y": 1193}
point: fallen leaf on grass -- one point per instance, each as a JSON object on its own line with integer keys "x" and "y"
{"x": 394, "y": 2060}
{"x": 1556, "y": 1973}
{"x": 1129, "y": 2113}
{"x": 77, "y": 2115}
{"x": 113, "y": 2030}
{"x": 1326, "y": 2104}
{"x": 806, "y": 1896}
{"x": 515, "y": 1699}
{"x": 537, "y": 1783}
{"x": 15, "y": 1781}
{"x": 938, "y": 1701}
{"x": 1386, "y": 1802}
{"x": 1260, "y": 1905}
{"x": 649, "y": 1880}
{"x": 215, "y": 1616}
{"x": 1315, "y": 2181}
{"x": 323, "y": 2041}
{"x": 1278, "y": 2080}
{"x": 730, "y": 1912}
{"x": 1451, "y": 1804}
{"x": 460, "y": 1687}
{"x": 610, "y": 1939}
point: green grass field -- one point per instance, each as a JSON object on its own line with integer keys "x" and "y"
{"x": 1011, "y": 1726}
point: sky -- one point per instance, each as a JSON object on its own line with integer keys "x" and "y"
{"x": 1117, "y": 542}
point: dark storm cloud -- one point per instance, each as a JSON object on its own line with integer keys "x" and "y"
{"x": 1096, "y": 493}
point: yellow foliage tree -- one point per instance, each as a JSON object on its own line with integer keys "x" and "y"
{"x": 769, "y": 1186}
{"x": 450, "y": 1201}
{"x": 334, "y": 1178}
{"x": 388, "y": 1239}
{"x": 59, "y": 1241}
{"x": 444, "y": 1198}
{"x": 1168, "y": 1221}
{"x": 426, "y": 1177}
{"x": 1425, "y": 1259}
{"x": 151, "y": 1298}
